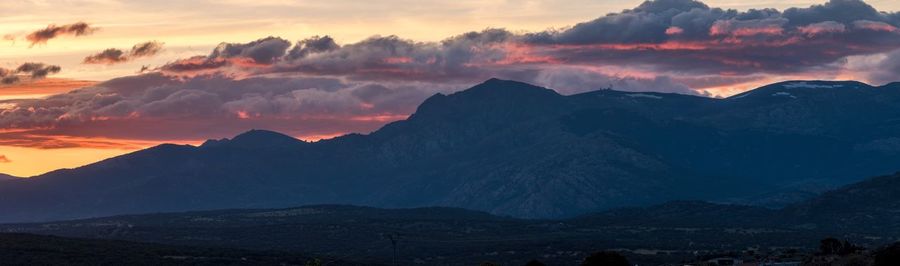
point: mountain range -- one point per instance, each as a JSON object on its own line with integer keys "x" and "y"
{"x": 864, "y": 212}
{"x": 512, "y": 149}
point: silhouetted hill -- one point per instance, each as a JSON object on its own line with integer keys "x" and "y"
{"x": 256, "y": 139}
{"x": 4, "y": 177}
{"x": 510, "y": 148}
{"x": 869, "y": 206}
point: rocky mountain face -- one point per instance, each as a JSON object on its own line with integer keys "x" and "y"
{"x": 514, "y": 149}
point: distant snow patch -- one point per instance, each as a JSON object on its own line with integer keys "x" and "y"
{"x": 784, "y": 94}
{"x": 742, "y": 96}
{"x": 641, "y": 95}
{"x": 796, "y": 85}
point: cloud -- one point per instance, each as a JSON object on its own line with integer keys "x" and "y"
{"x": 312, "y": 45}
{"x": 109, "y": 56}
{"x": 53, "y": 31}
{"x": 262, "y": 51}
{"x": 114, "y": 56}
{"x": 3, "y": 159}
{"x": 190, "y": 108}
{"x": 319, "y": 87}
{"x": 146, "y": 49}
{"x": 687, "y": 37}
{"x": 820, "y": 28}
{"x": 879, "y": 69}
{"x": 667, "y": 37}
{"x": 874, "y": 26}
{"x": 376, "y": 58}
{"x": 257, "y": 53}
{"x": 27, "y": 72}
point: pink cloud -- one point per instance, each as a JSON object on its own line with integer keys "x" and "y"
{"x": 874, "y": 26}
{"x": 673, "y": 30}
{"x": 822, "y": 28}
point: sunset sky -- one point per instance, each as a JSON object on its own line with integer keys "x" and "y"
{"x": 84, "y": 80}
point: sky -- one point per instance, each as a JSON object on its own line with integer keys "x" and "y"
{"x": 84, "y": 80}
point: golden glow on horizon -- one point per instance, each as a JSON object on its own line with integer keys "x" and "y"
{"x": 27, "y": 161}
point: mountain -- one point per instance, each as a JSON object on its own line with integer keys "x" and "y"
{"x": 510, "y": 148}
{"x": 4, "y": 177}
{"x": 868, "y": 206}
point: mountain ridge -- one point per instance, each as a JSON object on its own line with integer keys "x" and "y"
{"x": 504, "y": 147}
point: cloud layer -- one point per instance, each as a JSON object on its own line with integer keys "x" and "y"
{"x": 682, "y": 39}
{"x": 319, "y": 87}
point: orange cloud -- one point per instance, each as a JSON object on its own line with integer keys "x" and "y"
{"x": 42, "y": 87}
{"x": 3, "y": 159}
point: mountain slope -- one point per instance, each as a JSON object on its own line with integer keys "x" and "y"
{"x": 865, "y": 213}
{"x": 510, "y": 148}
{"x": 4, "y": 177}
{"x": 872, "y": 205}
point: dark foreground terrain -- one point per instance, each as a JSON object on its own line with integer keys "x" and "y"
{"x": 26, "y": 249}
{"x": 865, "y": 213}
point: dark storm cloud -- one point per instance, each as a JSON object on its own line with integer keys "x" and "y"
{"x": 262, "y": 51}
{"x": 194, "y": 65}
{"x": 687, "y": 36}
{"x": 53, "y": 31}
{"x": 312, "y": 45}
{"x": 378, "y": 57}
{"x": 114, "y": 56}
{"x": 109, "y": 56}
{"x": 146, "y": 49}
{"x": 27, "y": 72}
{"x": 672, "y": 37}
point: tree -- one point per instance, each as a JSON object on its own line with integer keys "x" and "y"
{"x": 314, "y": 262}
{"x": 888, "y": 256}
{"x": 834, "y": 246}
{"x": 605, "y": 258}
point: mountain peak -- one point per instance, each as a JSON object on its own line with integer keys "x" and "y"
{"x": 794, "y": 88}
{"x": 507, "y": 88}
{"x": 492, "y": 96}
{"x": 256, "y": 138}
